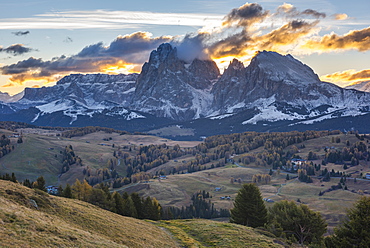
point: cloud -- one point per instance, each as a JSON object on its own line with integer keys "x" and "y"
{"x": 347, "y": 77}
{"x": 254, "y": 34}
{"x": 291, "y": 11}
{"x": 9, "y": 85}
{"x": 313, "y": 13}
{"x": 105, "y": 19}
{"x": 340, "y": 16}
{"x": 16, "y": 49}
{"x": 21, "y": 33}
{"x": 245, "y": 15}
{"x": 192, "y": 47}
{"x": 354, "y": 40}
{"x": 127, "y": 51}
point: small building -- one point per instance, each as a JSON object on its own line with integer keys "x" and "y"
{"x": 367, "y": 176}
{"x": 298, "y": 161}
{"x": 53, "y": 190}
{"x": 218, "y": 189}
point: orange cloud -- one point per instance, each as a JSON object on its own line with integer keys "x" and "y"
{"x": 347, "y": 77}
{"x": 123, "y": 55}
{"x": 354, "y": 40}
{"x": 120, "y": 67}
{"x": 288, "y": 34}
{"x": 9, "y": 84}
{"x": 246, "y": 43}
{"x": 249, "y": 28}
{"x": 341, "y": 16}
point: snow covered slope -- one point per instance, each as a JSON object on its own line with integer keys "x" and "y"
{"x": 272, "y": 88}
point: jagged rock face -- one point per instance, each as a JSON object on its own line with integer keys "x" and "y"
{"x": 231, "y": 88}
{"x": 86, "y": 89}
{"x": 168, "y": 87}
{"x": 283, "y": 76}
{"x": 202, "y": 73}
{"x": 277, "y": 83}
{"x": 361, "y": 86}
{"x": 273, "y": 87}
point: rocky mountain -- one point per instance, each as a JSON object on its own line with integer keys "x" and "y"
{"x": 168, "y": 87}
{"x": 362, "y": 86}
{"x": 77, "y": 95}
{"x": 282, "y": 88}
{"x": 272, "y": 89}
{"x": 5, "y": 97}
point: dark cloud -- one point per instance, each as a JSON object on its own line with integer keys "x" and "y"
{"x": 246, "y": 15}
{"x": 289, "y": 10}
{"x": 358, "y": 39}
{"x": 128, "y": 49}
{"x": 313, "y": 13}
{"x": 21, "y": 33}
{"x": 16, "y": 49}
{"x": 233, "y": 45}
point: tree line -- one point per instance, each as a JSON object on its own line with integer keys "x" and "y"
{"x": 199, "y": 208}
{"x": 296, "y": 223}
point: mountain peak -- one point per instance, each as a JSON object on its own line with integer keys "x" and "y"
{"x": 163, "y": 53}
{"x": 283, "y": 68}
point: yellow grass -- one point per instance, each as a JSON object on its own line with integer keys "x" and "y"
{"x": 61, "y": 222}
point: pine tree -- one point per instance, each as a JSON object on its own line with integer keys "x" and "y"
{"x": 67, "y": 192}
{"x": 297, "y": 222}
{"x": 119, "y": 203}
{"x": 355, "y": 231}
{"x": 249, "y": 208}
{"x": 40, "y": 183}
{"x": 138, "y": 204}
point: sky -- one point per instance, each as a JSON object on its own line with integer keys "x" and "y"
{"x": 43, "y": 40}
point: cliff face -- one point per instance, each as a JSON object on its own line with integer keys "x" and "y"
{"x": 273, "y": 86}
{"x": 168, "y": 87}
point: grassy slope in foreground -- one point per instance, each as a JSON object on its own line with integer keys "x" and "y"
{"x": 62, "y": 222}
{"x": 207, "y": 233}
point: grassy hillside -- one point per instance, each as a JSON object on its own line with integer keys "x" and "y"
{"x": 32, "y": 218}
{"x": 34, "y": 157}
{"x": 61, "y": 222}
{"x": 39, "y": 154}
{"x": 206, "y": 233}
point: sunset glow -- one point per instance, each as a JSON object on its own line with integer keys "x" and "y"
{"x": 120, "y": 67}
{"x": 231, "y": 32}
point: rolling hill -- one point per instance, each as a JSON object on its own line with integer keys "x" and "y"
{"x": 32, "y": 218}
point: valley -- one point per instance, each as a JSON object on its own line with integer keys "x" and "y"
{"x": 41, "y": 154}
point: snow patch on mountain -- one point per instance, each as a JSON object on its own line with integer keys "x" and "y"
{"x": 361, "y": 86}
{"x": 271, "y": 114}
{"x": 220, "y": 117}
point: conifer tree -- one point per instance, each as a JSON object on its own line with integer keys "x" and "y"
{"x": 129, "y": 207}
{"x": 40, "y": 183}
{"x": 67, "y": 192}
{"x": 355, "y": 231}
{"x": 296, "y": 222}
{"x": 249, "y": 208}
{"x": 138, "y": 203}
{"x": 119, "y": 203}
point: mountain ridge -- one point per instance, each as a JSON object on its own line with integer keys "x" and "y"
{"x": 273, "y": 87}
